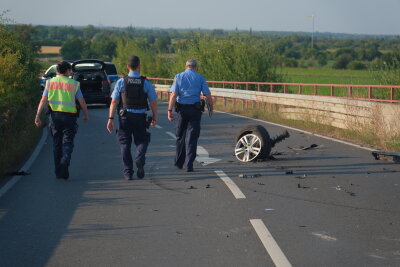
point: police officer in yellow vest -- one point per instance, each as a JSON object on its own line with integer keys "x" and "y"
{"x": 61, "y": 93}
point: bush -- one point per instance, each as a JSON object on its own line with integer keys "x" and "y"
{"x": 19, "y": 94}
{"x": 356, "y": 65}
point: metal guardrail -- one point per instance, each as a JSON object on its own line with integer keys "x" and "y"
{"x": 375, "y": 93}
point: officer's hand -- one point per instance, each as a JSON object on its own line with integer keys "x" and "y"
{"x": 153, "y": 122}
{"x": 38, "y": 122}
{"x": 170, "y": 116}
{"x": 85, "y": 118}
{"x": 110, "y": 126}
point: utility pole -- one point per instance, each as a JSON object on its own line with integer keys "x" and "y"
{"x": 312, "y": 34}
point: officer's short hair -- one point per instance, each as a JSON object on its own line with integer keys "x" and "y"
{"x": 191, "y": 63}
{"x": 63, "y": 67}
{"x": 134, "y": 62}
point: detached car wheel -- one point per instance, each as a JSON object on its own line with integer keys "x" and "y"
{"x": 252, "y": 143}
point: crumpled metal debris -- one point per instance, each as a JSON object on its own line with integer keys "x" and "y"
{"x": 386, "y": 155}
{"x": 300, "y": 148}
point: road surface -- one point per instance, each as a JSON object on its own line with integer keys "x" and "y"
{"x": 340, "y": 207}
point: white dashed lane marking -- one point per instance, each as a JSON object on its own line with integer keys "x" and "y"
{"x": 270, "y": 244}
{"x": 238, "y": 194}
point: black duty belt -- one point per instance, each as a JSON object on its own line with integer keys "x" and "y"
{"x": 187, "y": 105}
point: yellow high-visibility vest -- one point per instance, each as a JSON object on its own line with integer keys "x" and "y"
{"x": 62, "y": 91}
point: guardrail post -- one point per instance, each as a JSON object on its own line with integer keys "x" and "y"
{"x": 315, "y": 90}
{"x": 247, "y": 86}
{"x": 350, "y": 92}
{"x": 392, "y": 93}
{"x": 234, "y": 85}
{"x": 284, "y": 89}
{"x": 258, "y": 87}
{"x": 223, "y": 85}
{"x": 271, "y": 89}
{"x": 332, "y": 91}
{"x": 370, "y": 92}
{"x": 299, "y": 90}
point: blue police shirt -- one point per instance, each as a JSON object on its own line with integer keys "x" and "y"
{"x": 148, "y": 89}
{"x": 188, "y": 85}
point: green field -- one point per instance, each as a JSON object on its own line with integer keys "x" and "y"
{"x": 327, "y": 76}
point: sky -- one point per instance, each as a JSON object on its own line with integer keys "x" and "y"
{"x": 336, "y": 16}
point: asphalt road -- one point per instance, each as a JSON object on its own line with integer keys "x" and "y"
{"x": 340, "y": 207}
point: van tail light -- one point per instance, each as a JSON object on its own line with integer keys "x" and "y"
{"x": 106, "y": 82}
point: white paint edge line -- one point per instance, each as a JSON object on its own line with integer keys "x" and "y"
{"x": 270, "y": 244}
{"x": 237, "y": 193}
{"x": 302, "y": 131}
{"x": 171, "y": 134}
{"x": 158, "y": 126}
{"x": 27, "y": 164}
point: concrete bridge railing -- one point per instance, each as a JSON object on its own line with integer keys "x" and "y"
{"x": 382, "y": 118}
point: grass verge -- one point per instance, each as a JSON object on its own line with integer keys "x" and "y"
{"x": 18, "y": 137}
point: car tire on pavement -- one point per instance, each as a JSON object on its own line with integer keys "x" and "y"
{"x": 252, "y": 143}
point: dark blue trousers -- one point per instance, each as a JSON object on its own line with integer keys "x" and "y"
{"x": 187, "y": 133}
{"x": 133, "y": 125}
{"x": 63, "y": 128}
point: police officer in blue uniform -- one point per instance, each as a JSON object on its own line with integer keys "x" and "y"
{"x": 185, "y": 97}
{"x": 132, "y": 94}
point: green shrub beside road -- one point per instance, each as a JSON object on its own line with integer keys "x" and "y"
{"x": 19, "y": 95}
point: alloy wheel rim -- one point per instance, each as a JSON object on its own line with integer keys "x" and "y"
{"x": 248, "y": 147}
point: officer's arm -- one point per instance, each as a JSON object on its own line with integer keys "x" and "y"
{"x": 171, "y": 104}
{"x": 42, "y": 104}
{"x": 110, "y": 122}
{"x": 154, "y": 110}
{"x": 83, "y": 105}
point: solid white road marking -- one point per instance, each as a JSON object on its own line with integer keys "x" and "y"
{"x": 203, "y": 157}
{"x": 27, "y": 164}
{"x": 171, "y": 134}
{"x": 270, "y": 244}
{"x": 298, "y": 130}
{"x": 238, "y": 194}
{"x": 158, "y": 126}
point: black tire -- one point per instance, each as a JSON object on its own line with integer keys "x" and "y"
{"x": 262, "y": 143}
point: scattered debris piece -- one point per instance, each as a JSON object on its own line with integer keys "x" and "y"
{"x": 249, "y": 175}
{"x": 186, "y": 181}
{"x": 21, "y": 173}
{"x": 300, "y": 148}
{"x": 208, "y": 186}
{"x": 302, "y": 226}
{"x": 304, "y": 176}
{"x": 192, "y": 187}
{"x": 269, "y": 209}
{"x": 261, "y": 184}
{"x": 179, "y": 233}
{"x": 155, "y": 210}
{"x": 276, "y": 153}
{"x": 338, "y": 188}
{"x": 289, "y": 172}
{"x": 386, "y": 155}
{"x": 333, "y": 177}
{"x": 303, "y": 187}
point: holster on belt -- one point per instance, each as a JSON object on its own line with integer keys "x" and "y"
{"x": 177, "y": 106}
